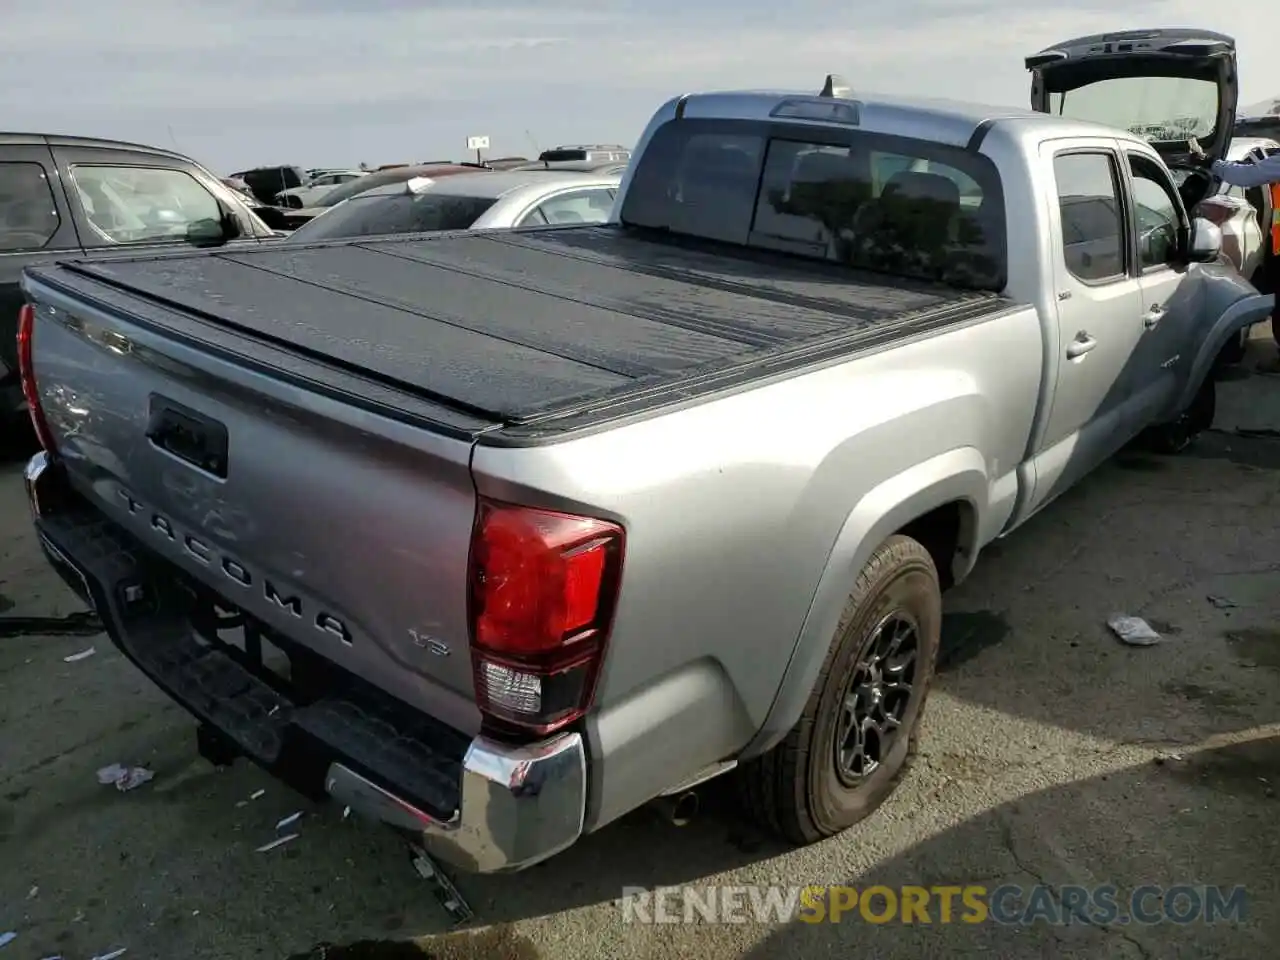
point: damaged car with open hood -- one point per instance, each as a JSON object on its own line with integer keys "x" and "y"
{"x": 1169, "y": 86}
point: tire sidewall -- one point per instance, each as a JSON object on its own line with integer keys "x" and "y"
{"x": 910, "y": 586}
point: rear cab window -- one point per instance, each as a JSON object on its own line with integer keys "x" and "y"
{"x": 28, "y": 210}
{"x": 139, "y": 204}
{"x": 912, "y": 208}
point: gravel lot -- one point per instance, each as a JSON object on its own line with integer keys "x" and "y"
{"x": 1052, "y": 754}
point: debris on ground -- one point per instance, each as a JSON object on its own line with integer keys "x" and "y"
{"x": 446, "y": 893}
{"x": 1222, "y": 603}
{"x": 289, "y": 821}
{"x": 72, "y": 625}
{"x": 7, "y": 938}
{"x": 124, "y": 778}
{"x": 33, "y": 893}
{"x": 278, "y": 842}
{"x": 82, "y": 655}
{"x": 1133, "y": 630}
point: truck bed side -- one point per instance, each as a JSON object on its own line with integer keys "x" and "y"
{"x": 749, "y": 516}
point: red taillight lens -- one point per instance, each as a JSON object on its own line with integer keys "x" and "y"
{"x": 542, "y": 592}
{"x": 27, "y": 374}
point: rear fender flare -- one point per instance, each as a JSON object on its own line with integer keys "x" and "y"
{"x": 956, "y": 476}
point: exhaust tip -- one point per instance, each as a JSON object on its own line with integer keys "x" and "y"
{"x": 679, "y": 810}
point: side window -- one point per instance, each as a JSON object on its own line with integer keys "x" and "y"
{"x": 28, "y": 212}
{"x": 581, "y": 206}
{"x": 533, "y": 218}
{"x": 140, "y": 204}
{"x": 1092, "y": 227}
{"x": 1157, "y": 213}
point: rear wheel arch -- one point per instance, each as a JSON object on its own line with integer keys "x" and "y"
{"x": 939, "y": 503}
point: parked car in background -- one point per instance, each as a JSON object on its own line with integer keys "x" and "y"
{"x": 1168, "y": 85}
{"x": 585, "y": 152}
{"x": 505, "y": 163}
{"x": 317, "y": 172}
{"x": 266, "y": 182}
{"x": 66, "y": 196}
{"x": 1245, "y": 215}
{"x": 473, "y": 201}
{"x": 310, "y": 193}
{"x": 380, "y": 177}
{"x": 578, "y": 166}
{"x": 1263, "y": 120}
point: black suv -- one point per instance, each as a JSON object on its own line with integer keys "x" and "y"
{"x": 63, "y": 197}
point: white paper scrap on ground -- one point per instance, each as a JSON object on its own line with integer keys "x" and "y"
{"x": 1133, "y": 630}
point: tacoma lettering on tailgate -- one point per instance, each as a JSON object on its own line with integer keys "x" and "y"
{"x": 161, "y": 526}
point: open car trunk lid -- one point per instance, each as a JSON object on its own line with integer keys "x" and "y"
{"x": 1166, "y": 85}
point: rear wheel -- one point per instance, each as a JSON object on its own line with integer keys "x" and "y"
{"x": 857, "y": 735}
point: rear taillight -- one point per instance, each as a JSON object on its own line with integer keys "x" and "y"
{"x": 27, "y": 373}
{"x": 542, "y": 591}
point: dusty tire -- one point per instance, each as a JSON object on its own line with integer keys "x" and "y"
{"x": 798, "y": 790}
{"x": 1176, "y": 436}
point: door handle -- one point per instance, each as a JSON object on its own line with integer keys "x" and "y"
{"x": 1081, "y": 345}
{"x": 1152, "y": 316}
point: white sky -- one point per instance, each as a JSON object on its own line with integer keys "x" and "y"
{"x": 333, "y": 82}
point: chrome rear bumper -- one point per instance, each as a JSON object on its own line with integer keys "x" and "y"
{"x": 519, "y": 805}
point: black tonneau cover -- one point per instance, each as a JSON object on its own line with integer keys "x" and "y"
{"x": 522, "y": 326}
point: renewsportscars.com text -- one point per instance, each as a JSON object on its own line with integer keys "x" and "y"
{"x": 1009, "y": 904}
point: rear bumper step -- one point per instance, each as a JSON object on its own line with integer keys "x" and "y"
{"x": 481, "y": 806}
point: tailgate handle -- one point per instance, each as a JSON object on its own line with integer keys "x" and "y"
{"x": 190, "y": 436}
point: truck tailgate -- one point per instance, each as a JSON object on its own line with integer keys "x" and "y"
{"x": 517, "y": 326}
{"x": 345, "y": 532}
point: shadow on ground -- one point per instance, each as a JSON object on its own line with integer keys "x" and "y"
{"x": 1052, "y": 838}
{"x": 1164, "y": 828}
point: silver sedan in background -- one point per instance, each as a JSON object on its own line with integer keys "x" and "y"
{"x": 468, "y": 201}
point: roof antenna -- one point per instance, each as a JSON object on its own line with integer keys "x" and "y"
{"x": 836, "y": 86}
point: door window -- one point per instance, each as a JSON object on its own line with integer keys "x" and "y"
{"x": 1092, "y": 227}
{"x": 141, "y": 204}
{"x": 1157, "y": 213}
{"x": 28, "y": 211}
{"x": 581, "y": 206}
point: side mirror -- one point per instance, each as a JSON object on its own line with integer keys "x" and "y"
{"x": 212, "y": 233}
{"x": 1206, "y": 241}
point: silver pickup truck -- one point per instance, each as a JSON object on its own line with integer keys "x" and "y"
{"x": 498, "y": 536}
